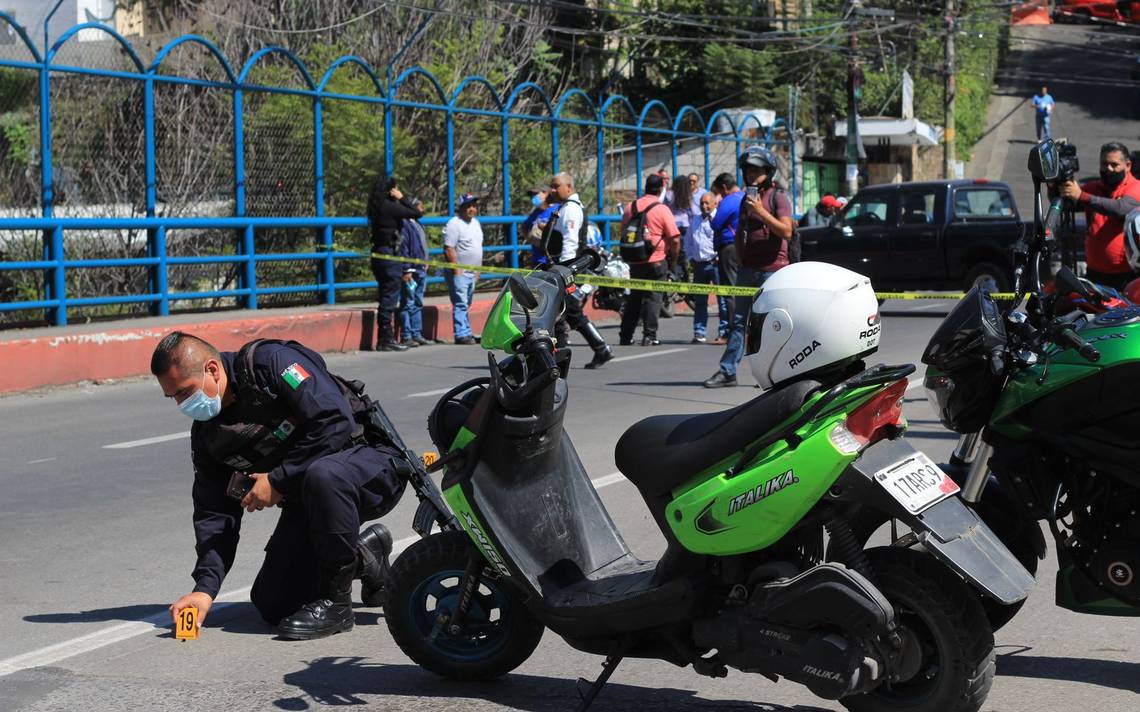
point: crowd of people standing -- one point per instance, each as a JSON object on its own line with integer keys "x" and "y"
{"x": 729, "y": 234}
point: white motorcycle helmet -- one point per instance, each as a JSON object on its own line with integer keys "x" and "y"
{"x": 810, "y": 317}
{"x": 1132, "y": 239}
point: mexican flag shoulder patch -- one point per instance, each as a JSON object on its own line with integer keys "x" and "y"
{"x": 295, "y": 375}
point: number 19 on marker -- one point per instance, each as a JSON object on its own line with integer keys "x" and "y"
{"x": 186, "y": 624}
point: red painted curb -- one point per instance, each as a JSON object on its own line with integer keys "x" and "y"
{"x": 64, "y": 356}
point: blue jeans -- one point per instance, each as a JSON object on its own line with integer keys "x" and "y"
{"x": 1044, "y": 128}
{"x": 411, "y": 309}
{"x": 741, "y": 311}
{"x": 461, "y": 289}
{"x": 708, "y": 273}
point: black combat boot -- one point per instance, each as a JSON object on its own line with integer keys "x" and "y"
{"x": 372, "y": 551}
{"x": 602, "y": 352}
{"x": 329, "y": 614}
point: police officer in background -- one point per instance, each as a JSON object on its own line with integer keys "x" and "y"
{"x": 273, "y": 427}
{"x": 565, "y": 241}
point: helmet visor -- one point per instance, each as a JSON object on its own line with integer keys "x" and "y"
{"x": 755, "y": 333}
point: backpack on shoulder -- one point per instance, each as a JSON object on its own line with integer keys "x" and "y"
{"x": 634, "y": 246}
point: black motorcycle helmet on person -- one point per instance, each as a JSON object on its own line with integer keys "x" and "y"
{"x": 759, "y": 157}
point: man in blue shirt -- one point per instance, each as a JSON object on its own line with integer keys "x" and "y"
{"x": 1043, "y": 105}
{"x": 724, "y": 230}
{"x": 537, "y": 220}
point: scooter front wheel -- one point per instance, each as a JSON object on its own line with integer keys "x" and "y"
{"x": 426, "y": 583}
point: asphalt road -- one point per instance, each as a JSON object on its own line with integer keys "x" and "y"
{"x": 96, "y": 542}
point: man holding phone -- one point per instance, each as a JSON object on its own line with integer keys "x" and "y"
{"x": 273, "y": 427}
{"x": 761, "y": 240}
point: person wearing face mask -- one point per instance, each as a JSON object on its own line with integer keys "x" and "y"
{"x": 1106, "y": 203}
{"x": 273, "y": 427}
{"x": 544, "y": 204}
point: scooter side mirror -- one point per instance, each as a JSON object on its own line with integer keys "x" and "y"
{"x": 521, "y": 293}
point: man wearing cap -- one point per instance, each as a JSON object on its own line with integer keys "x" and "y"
{"x": 822, "y": 214}
{"x": 463, "y": 244}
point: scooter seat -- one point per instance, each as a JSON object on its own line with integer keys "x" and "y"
{"x": 662, "y": 452}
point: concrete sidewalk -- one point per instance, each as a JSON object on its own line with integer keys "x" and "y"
{"x": 51, "y": 356}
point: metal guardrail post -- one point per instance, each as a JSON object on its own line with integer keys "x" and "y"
{"x": 326, "y": 274}
{"x": 156, "y": 274}
{"x": 58, "y": 278}
{"x": 247, "y": 277}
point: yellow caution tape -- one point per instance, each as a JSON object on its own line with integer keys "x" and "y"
{"x": 653, "y": 285}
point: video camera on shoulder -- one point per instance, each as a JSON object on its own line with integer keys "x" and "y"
{"x": 1054, "y": 162}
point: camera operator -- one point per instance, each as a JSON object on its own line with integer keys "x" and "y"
{"x": 1106, "y": 202}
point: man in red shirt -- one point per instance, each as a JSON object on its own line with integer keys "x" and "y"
{"x": 766, "y": 225}
{"x": 1106, "y": 202}
{"x": 662, "y": 234}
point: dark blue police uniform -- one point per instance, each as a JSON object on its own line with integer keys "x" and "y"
{"x": 302, "y": 434}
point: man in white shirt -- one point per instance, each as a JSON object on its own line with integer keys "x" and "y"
{"x": 566, "y": 240}
{"x": 698, "y": 246}
{"x": 463, "y": 244}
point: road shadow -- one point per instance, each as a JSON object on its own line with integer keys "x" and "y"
{"x": 99, "y": 615}
{"x": 243, "y": 619}
{"x": 335, "y": 681}
{"x": 1103, "y": 673}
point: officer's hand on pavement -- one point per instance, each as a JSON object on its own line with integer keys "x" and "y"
{"x": 199, "y": 600}
{"x": 1071, "y": 190}
{"x": 261, "y": 495}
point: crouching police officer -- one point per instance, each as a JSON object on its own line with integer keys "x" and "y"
{"x": 274, "y": 427}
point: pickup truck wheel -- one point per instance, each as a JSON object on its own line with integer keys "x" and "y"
{"x": 988, "y": 276}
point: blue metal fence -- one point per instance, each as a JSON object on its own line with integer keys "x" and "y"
{"x": 324, "y": 253}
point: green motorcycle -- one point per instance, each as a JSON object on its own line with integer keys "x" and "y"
{"x": 1048, "y": 404}
{"x": 761, "y": 573}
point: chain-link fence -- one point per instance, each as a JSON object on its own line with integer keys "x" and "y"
{"x": 176, "y": 180}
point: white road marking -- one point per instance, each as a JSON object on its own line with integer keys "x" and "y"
{"x": 147, "y": 441}
{"x": 610, "y": 479}
{"x": 44, "y": 459}
{"x": 53, "y": 654}
{"x": 425, "y": 394}
{"x": 647, "y": 355}
{"x": 916, "y": 383}
{"x": 927, "y": 307}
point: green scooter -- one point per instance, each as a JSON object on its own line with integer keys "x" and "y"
{"x": 762, "y": 572}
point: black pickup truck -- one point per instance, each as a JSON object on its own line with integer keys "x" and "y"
{"x": 933, "y": 235}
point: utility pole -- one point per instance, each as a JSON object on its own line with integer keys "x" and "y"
{"x": 854, "y": 93}
{"x": 951, "y": 91}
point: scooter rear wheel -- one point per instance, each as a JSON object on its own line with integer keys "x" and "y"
{"x": 942, "y": 621}
{"x": 498, "y": 634}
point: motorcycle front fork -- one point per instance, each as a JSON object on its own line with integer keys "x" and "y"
{"x": 973, "y": 452}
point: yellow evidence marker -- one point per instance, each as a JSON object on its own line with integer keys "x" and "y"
{"x": 186, "y": 624}
{"x": 429, "y": 458}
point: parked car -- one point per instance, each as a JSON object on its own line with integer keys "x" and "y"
{"x": 1085, "y": 10}
{"x": 933, "y": 235}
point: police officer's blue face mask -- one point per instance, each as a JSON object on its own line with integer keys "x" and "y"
{"x": 201, "y": 406}
{"x": 536, "y": 199}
